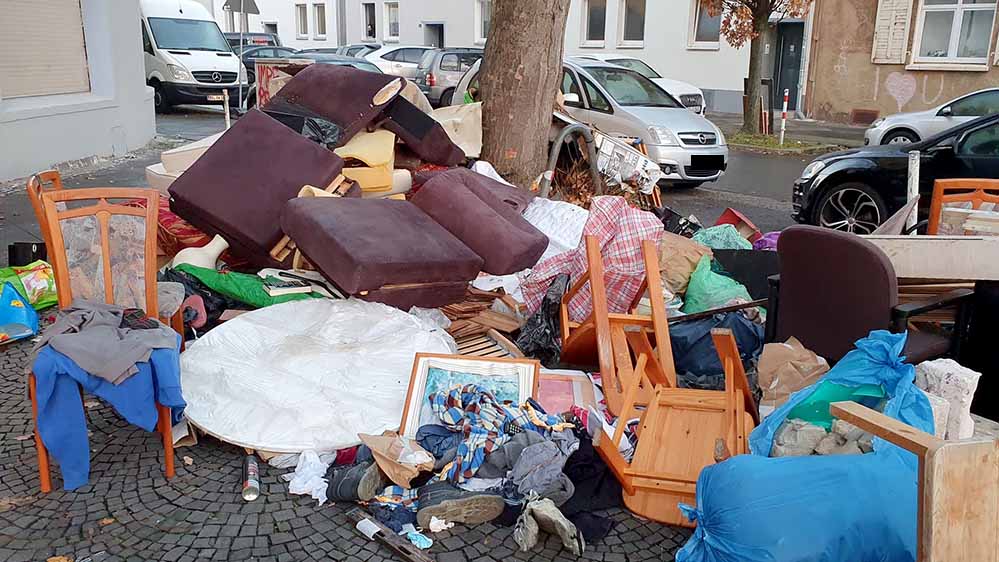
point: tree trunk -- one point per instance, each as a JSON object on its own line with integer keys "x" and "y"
{"x": 521, "y": 69}
{"x": 751, "y": 115}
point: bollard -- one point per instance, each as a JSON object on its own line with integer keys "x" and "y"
{"x": 783, "y": 117}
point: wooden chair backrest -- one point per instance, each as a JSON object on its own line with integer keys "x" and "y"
{"x": 49, "y": 180}
{"x": 958, "y": 513}
{"x": 103, "y": 251}
{"x": 975, "y": 191}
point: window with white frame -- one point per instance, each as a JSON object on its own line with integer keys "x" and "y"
{"x": 484, "y": 17}
{"x": 302, "y": 21}
{"x": 632, "y": 32}
{"x": 954, "y": 31}
{"x": 319, "y": 13}
{"x": 392, "y": 21}
{"x": 705, "y": 29}
{"x": 370, "y": 28}
{"x": 595, "y": 22}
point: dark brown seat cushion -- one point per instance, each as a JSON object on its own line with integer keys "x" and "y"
{"x": 238, "y": 188}
{"x": 474, "y": 208}
{"x": 378, "y": 245}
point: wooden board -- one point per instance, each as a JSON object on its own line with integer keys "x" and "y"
{"x": 941, "y": 257}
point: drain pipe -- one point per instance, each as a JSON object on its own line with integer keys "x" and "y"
{"x": 575, "y": 129}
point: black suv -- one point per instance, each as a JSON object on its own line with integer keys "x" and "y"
{"x": 856, "y": 190}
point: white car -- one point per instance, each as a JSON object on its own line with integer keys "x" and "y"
{"x": 689, "y": 95}
{"x": 689, "y": 149}
{"x": 398, "y": 60}
{"x": 904, "y": 128}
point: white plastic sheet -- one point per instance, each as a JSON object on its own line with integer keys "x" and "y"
{"x": 305, "y": 375}
{"x": 561, "y": 222}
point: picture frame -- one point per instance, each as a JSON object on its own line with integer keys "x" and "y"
{"x": 510, "y": 379}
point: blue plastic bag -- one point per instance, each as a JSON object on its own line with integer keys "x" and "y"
{"x": 752, "y": 508}
{"x": 18, "y": 320}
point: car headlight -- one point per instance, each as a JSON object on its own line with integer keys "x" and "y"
{"x": 721, "y": 138}
{"x": 179, "y": 72}
{"x": 662, "y": 136}
{"x": 878, "y": 122}
{"x": 812, "y": 169}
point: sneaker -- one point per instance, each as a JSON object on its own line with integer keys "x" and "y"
{"x": 444, "y": 500}
{"x": 358, "y": 482}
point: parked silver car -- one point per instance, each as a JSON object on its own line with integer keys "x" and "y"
{"x": 903, "y": 128}
{"x": 440, "y": 71}
{"x": 689, "y": 149}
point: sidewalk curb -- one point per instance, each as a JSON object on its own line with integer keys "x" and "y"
{"x": 818, "y": 149}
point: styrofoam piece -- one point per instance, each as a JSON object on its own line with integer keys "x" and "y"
{"x": 956, "y": 384}
{"x": 176, "y": 160}
{"x": 402, "y": 183}
{"x": 941, "y": 414}
{"x": 159, "y": 179}
{"x": 305, "y": 375}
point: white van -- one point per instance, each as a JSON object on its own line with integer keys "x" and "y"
{"x": 188, "y": 60}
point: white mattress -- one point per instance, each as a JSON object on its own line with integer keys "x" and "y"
{"x": 305, "y": 375}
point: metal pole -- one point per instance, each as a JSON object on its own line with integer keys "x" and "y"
{"x": 783, "y": 117}
{"x": 225, "y": 101}
{"x": 913, "y": 190}
{"x": 242, "y": 18}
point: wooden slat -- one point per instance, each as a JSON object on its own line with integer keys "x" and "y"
{"x": 894, "y": 431}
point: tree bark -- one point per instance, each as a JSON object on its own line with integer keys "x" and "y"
{"x": 521, "y": 69}
{"x": 751, "y": 114}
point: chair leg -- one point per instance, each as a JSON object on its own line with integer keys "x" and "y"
{"x": 44, "y": 476}
{"x": 177, "y": 323}
{"x": 167, "y": 434}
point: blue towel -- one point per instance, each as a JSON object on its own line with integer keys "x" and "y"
{"x": 61, "y": 421}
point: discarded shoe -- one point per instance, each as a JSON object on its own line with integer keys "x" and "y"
{"x": 359, "y": 482}
{"x": 543, "y": 514}
{"x": 444, "y": 500}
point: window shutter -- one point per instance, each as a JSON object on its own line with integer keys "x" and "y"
{"x": 891, "y": 31}
{"x": 42, "y": 49}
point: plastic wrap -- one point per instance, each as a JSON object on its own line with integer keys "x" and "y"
{"x": 305, "y": 375}
{"x": 561, "y": 222}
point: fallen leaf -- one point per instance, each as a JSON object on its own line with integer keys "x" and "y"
{"x": 58, "y": 559}
{"x": 188, "y": 461}
{"x": 106, "y": 521}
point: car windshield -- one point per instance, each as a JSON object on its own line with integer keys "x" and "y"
{"x": 638, "y": 66}
{"x": 630, "y": 88}
{"x": 362, "y": 65}
{"x": 188, "y": 35}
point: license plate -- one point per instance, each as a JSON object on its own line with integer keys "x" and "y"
{"x": 704, "y": 162}
{"x": 216, "y": 97}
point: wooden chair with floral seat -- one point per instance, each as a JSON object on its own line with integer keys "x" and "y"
{"x": 51, "y": 181}
{"x": 974, "y": 192}
{"x": 102, "y": 251}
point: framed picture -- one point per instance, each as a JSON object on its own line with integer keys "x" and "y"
{"x": 510, "y": 380}
{"x": 560, "y": 390}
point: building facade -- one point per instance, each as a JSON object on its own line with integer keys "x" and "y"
{"x": 71, "y": 83}
{"x": 875, "y": 58}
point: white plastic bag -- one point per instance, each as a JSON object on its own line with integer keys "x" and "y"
{"x": 309, "y": 477}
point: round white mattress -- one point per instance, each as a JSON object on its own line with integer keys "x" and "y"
{"x": 305, "y": 375}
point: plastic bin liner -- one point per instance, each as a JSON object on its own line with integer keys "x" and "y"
{"x": 17, "y": 319}
{"x": 820, "y": 508}
{"x": 305, "y": 375}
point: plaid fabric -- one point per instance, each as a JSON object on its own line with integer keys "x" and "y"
{"x": 397, "y": 496}
{"x": 620, "y": 229}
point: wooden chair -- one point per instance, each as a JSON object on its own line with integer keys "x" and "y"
{"x": 615, "y": 341}
{"x": 958, "y": 514}
{"x": 974, "y": 191}
{"x": 94, "y": 249}
{"x": 51, "y": 181}
{"x": 682, "y": 431}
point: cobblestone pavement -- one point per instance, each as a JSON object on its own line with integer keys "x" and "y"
{"x": 130, "y": 512}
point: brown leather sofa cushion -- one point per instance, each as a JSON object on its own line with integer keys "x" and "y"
{"x": 475, "y": 209}
{"x": 389, "y": 248}
{"x": 238, "y": 188}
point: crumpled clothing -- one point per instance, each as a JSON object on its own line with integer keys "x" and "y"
{"x": 93, "y": 336}
{"x": 484, "y": 423}
{"x": 440, "y": 441}
{"x": 539, "y": 470}
{"x": 502, "y": 460}
{"x": 620, "y": 229}
{"x": 392, "y": 517}
{"x": 308, "y": 478}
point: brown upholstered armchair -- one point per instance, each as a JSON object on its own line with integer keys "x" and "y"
{"x": 834, "y": 288}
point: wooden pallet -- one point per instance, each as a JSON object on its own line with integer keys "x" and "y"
{"x": 490, "y": 344}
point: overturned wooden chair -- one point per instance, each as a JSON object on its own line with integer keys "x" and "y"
{"x": 615, "y": 341}
{"x": 958, "y": 514}
{"x": 680, "y": 432}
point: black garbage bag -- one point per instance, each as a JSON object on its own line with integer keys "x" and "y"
{"x": 695, "y": 356}
{"x": 306, "y": 122}
{"x": 541, "y": 336}
{"x": 215, "y": 303}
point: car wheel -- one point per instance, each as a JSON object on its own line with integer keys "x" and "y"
{"x": 447, "y": 97}
{"x": 251, "y": 77}
{"x": 851, "y": 207}
{"x": 900, "y": 137}
{"x": 159, "y": 100}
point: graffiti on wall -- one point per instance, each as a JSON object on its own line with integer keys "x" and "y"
{"x": 902, "y": 86}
